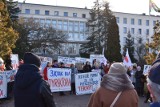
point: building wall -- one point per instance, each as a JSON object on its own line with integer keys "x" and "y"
{"x": 74, "y": 25}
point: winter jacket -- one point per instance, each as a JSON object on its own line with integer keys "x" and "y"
{"x": 104, "y": 97}
{"x": 155, "y": 104}
{"x": 30, "y": 89}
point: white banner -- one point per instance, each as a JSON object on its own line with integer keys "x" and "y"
{"x": 87, "y": 83}
{"x": 66, "y": 60}
{"x": 81, "y": 60}
{"x": 45, "y": 59}
{"x": 3, "y": 85}
{"x": 146, "y": 69}
{"x": 9, "y": 75}
{"x": 15, "y": 61}
{"x": 99, "y": 59}
{"x": 59, "y": 79}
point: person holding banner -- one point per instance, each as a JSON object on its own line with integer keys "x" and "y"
{"x": 87, "y": 67}
{"x": 116, "y": 89}
{"x": 30, "y": 90}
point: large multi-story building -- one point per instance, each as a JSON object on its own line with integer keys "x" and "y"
{"x": 73, "y": 20}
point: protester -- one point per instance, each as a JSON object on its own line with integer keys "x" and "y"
{"x": 87, "y": 67}
{"x": 154, "y": 82}
{"x": 133, "y": 72}
{"x": 45, "y": 71}
{"x": 10, "y": 84}
{"x": 55, "y": 64}
{"x": 139, "y": 84}
{"x": 116, "y": 89}
{"x": 73, "y": 72}
{"x": 30, "y": 89}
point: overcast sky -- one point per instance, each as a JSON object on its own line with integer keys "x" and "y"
{"x": 127, "y": 6}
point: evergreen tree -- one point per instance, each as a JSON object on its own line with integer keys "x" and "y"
{"x": 113, "y": 47}
{"x": 13, "y": 10}
{"x": 98, "y": 25}
{"x": 130, "y": 46}
{"x": 8, "y": 36}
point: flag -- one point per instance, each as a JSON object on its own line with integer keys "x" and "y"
{"x": 152, "y": 5}
{"x": 127, "y": 61}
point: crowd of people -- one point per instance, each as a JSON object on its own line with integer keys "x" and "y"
{"x": 119, "y": 84}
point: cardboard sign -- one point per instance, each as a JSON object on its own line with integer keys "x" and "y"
{"x": 59, "y": 79}
{"x": 45, "y": 59}
{"x": 9, "y": 75}
{"x": 99, "y": 59}
{"x": 81, "y": 60}
{"x": 66, "y": 60}
{"x": 87, "y": 83}
{"x": 146, "y": 69}
{"x": 15, "y": 61}
{"x": 3, "y": 85}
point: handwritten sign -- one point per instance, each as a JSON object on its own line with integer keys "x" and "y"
{"x": 15, "y": 61}
{"x": 81, "y": 60}
{"x": 99, "y": 59}
{"x": 3, "y": 85}
{"x": 87, "y": 83}
{"x": 66, "y": 60}
{"x": 10, "y": 74}
{"x": 146, "y": 69}
{"x": 59, "y": 79}
{"x": 45, "y": 59}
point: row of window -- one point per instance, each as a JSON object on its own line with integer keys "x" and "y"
{"x": 77, "y": 36}
{"x": 73, "y": 26}
{"x": 133, "y": 31}
{"x": 125, "y": 21}
{"x": 56, "y": 13}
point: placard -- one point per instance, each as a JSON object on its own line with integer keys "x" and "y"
{"x": 81, "y": 60}
{"x": 87, "y": 83}
{"x": 99, "y": 59}
{"x": 3, "y": 85}
{"x": 15, "y": 61}
{"x": 66, "y": 60}
{"x": 146, "y": 69}
{"x": 59, "y": 79}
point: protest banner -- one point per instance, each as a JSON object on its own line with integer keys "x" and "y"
{"x": 99, "y": 59}
{"x": 59, "y": 79}
{"x": 87, "y": 83}
{"x": 146, "y": 69}
{"x": 66, "y": 60}
{"x": 81, "y": 60}
{"x": 43, "y": 65}
{"x": 3, "y": 85}
{"x": 15, "y": 61}
{"x": 45, "y": 59}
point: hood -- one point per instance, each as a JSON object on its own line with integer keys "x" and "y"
{"x": 27, "y": 74}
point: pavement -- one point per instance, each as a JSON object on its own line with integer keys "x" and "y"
{"x": 70, "y": 101}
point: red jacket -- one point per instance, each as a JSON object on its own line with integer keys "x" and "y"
{"x": 45, "y": 74}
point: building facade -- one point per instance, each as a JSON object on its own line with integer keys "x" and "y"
{"x": 72, "y": 21}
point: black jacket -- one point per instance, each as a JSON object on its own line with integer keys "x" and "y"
{"x": 30, "y": 89}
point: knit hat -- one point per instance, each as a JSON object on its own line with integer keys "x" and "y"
{"x": 30, "y": 58}
{"x": 117, "y": 68}
{"x": 154, "y": 74}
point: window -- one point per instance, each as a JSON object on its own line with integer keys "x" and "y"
{"x": 42, "y": 22}
{"x": 139, "y": 22}
{"x": 117, "y": 19}
{"x": 132, "y": 30}
{"x": 132, "y": 21}
{"x": 54, "y": 23}
{"x": 124, "y": 30}
{"x": 46, "y": 12}
{"x": 74, "y": 14}
{"x": 82, "y": 27}
{"x": 65, "y": 25}
{"x": 37, "y": 11}
{"x": 56, "y": 13}
{"x": 154, "y": 23}
{"x": 147, "y": 22}
{"x": 76, "y": 29}
{"x": 60, "y": 24}
{"x": 81, "y": 36}
{"x": 71, "y": 26}
{"x": 83, "y": 15}
{"x": 36, "y": 20}
{"x": 27, "y": 11}
{"x": 147, "y": 31}
{"x": 140, "y": 31}
{"x": 124, "y": 20}
{"x": 48, "y": 22}
{"x": 76, "y": 36}
{"x": 66, "y": 14}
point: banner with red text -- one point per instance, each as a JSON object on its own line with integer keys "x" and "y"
{"x": 59, "y": 79}
{"x": 3, "y": 85}
{"x": 87, "y": 83}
